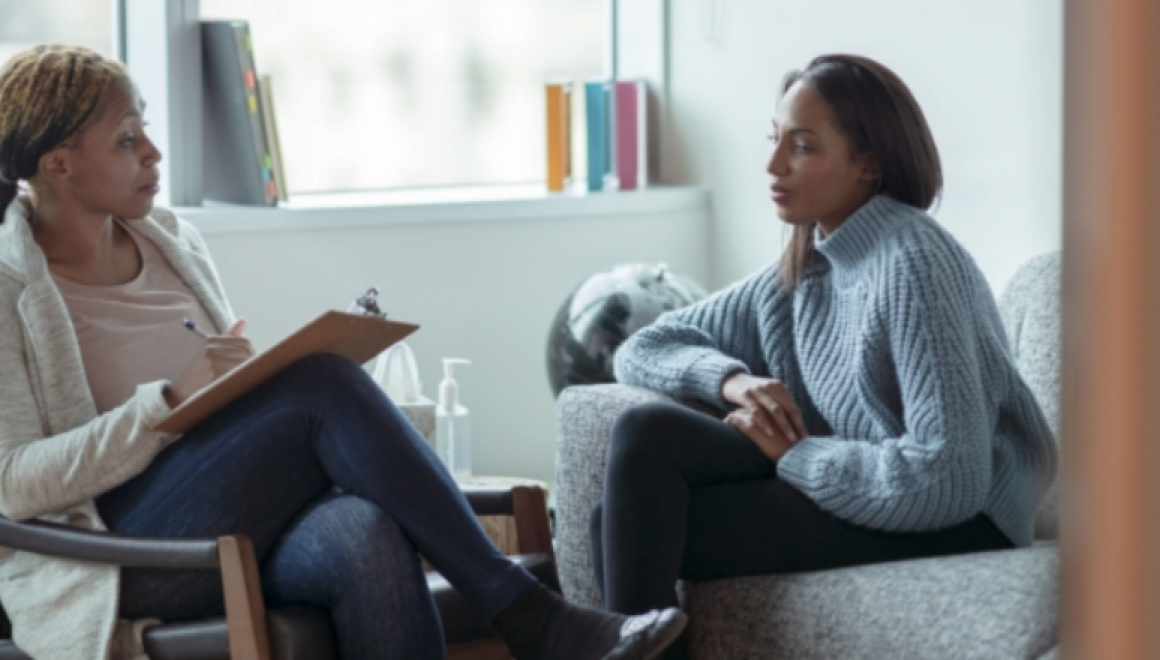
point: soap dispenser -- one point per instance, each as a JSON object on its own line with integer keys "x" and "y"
{"x": 453, "y": 424}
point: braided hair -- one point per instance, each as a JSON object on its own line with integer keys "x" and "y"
{"x": 47, "y": 94}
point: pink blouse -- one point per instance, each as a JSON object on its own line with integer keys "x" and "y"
{"x": 132, "y": 333}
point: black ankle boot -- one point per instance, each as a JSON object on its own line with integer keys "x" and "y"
{"x": 541, "y": 625}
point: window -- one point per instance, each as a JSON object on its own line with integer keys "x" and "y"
{"x": 24, "y": 23}
{"x": 380, "y": 94}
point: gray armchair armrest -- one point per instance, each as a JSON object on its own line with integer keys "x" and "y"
{"x": 584, "y": 418}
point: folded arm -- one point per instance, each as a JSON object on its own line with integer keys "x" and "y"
{"x": 688, "y": 353}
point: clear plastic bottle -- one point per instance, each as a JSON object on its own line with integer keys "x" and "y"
{"x": 453, "y": 424}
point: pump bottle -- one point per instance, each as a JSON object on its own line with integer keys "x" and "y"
{"x": 453, "y": 424}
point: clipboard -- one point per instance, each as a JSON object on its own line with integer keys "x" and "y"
{"x": 354, "y": 336}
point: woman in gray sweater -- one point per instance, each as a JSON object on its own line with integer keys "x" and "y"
{"x": 94, "y": 285}
{"x": 873, "y": 411}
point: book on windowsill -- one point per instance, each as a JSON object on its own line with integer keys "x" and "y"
{"x": 238, "y": 164}
{"x": 630, "y": 131}
{"x": 273, "y": 141}
{"x": 558, "y": 101}
{"x": 598, "y": 131}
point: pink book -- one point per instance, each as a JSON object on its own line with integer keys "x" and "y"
{"x": 627, "y": 142}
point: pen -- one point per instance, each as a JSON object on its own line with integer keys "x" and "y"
{"x": 196, "y": 330}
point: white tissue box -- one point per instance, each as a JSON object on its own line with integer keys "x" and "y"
{"x": 422, "y": 416}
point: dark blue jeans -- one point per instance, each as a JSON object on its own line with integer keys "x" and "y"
{"x": 268, "y": 466}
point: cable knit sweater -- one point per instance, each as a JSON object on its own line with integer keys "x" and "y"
{"x": 893, "y": 348}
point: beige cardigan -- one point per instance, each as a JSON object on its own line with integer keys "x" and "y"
{"x": 57, "y": 454}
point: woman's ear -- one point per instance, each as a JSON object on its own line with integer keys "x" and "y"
{"x": 870, "y": 171}
{"x": 55, "y": 164}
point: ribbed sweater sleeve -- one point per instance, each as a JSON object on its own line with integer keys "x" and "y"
{"x": 938, "y": 472}
{"x": 687, "y": 353}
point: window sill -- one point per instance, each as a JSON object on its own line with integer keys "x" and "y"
{"x": 441, "y": 205}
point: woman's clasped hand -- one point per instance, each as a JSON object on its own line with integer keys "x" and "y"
{"x": 766, "y": 413}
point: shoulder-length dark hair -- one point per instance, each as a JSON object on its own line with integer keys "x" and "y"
{"x": 877, "y": 113}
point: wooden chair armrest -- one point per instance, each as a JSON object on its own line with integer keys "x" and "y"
{"x": 233, "y": 555}
{"x": 44, "y": 538}
{"x": 245, "y": 609}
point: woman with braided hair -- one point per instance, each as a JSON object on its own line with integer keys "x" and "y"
{"x": 334, "y": 487}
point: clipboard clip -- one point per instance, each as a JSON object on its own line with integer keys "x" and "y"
{"x": 367, "y": 304}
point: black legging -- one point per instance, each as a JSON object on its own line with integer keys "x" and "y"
{"x": 691, "y": 497}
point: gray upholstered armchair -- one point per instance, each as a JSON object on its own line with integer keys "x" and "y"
{"x": 249, "y": 631}
{"x": 987, "y": 605}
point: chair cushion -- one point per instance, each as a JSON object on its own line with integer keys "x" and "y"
{"x": 296, "y": 633}
{"x": 986, "y": 605}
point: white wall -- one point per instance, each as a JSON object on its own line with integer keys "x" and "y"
{"x": 486, "y": 291}
{"x": 988, "y": 74}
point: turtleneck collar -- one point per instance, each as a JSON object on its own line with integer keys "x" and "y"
{"x": 847, "y": 246}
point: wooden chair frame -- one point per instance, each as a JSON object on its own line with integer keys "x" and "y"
{"x": 233, "y": 556}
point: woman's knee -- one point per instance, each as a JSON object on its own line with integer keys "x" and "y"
{"x": 324, "y": 369}
{"x": 364, "y": 538}
{"x": 348, "y": 555}
{"x": 331, "y": 381}
{"x": 350, "y": 538}
{"x": 643, "y": 432}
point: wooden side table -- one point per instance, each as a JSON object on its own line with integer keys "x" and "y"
{"x": 502, "y": 529}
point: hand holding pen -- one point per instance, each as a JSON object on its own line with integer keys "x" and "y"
{"x": 195, "y": 329}
{"x": 217, "y": 357}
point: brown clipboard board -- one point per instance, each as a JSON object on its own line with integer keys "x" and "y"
{"x": 352, "y": 336}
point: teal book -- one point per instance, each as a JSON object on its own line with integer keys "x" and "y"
{"x": 597, "y": 102}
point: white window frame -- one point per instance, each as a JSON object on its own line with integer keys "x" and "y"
{"x": 640, "y": 49}
{"x": 160, "y": 43}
